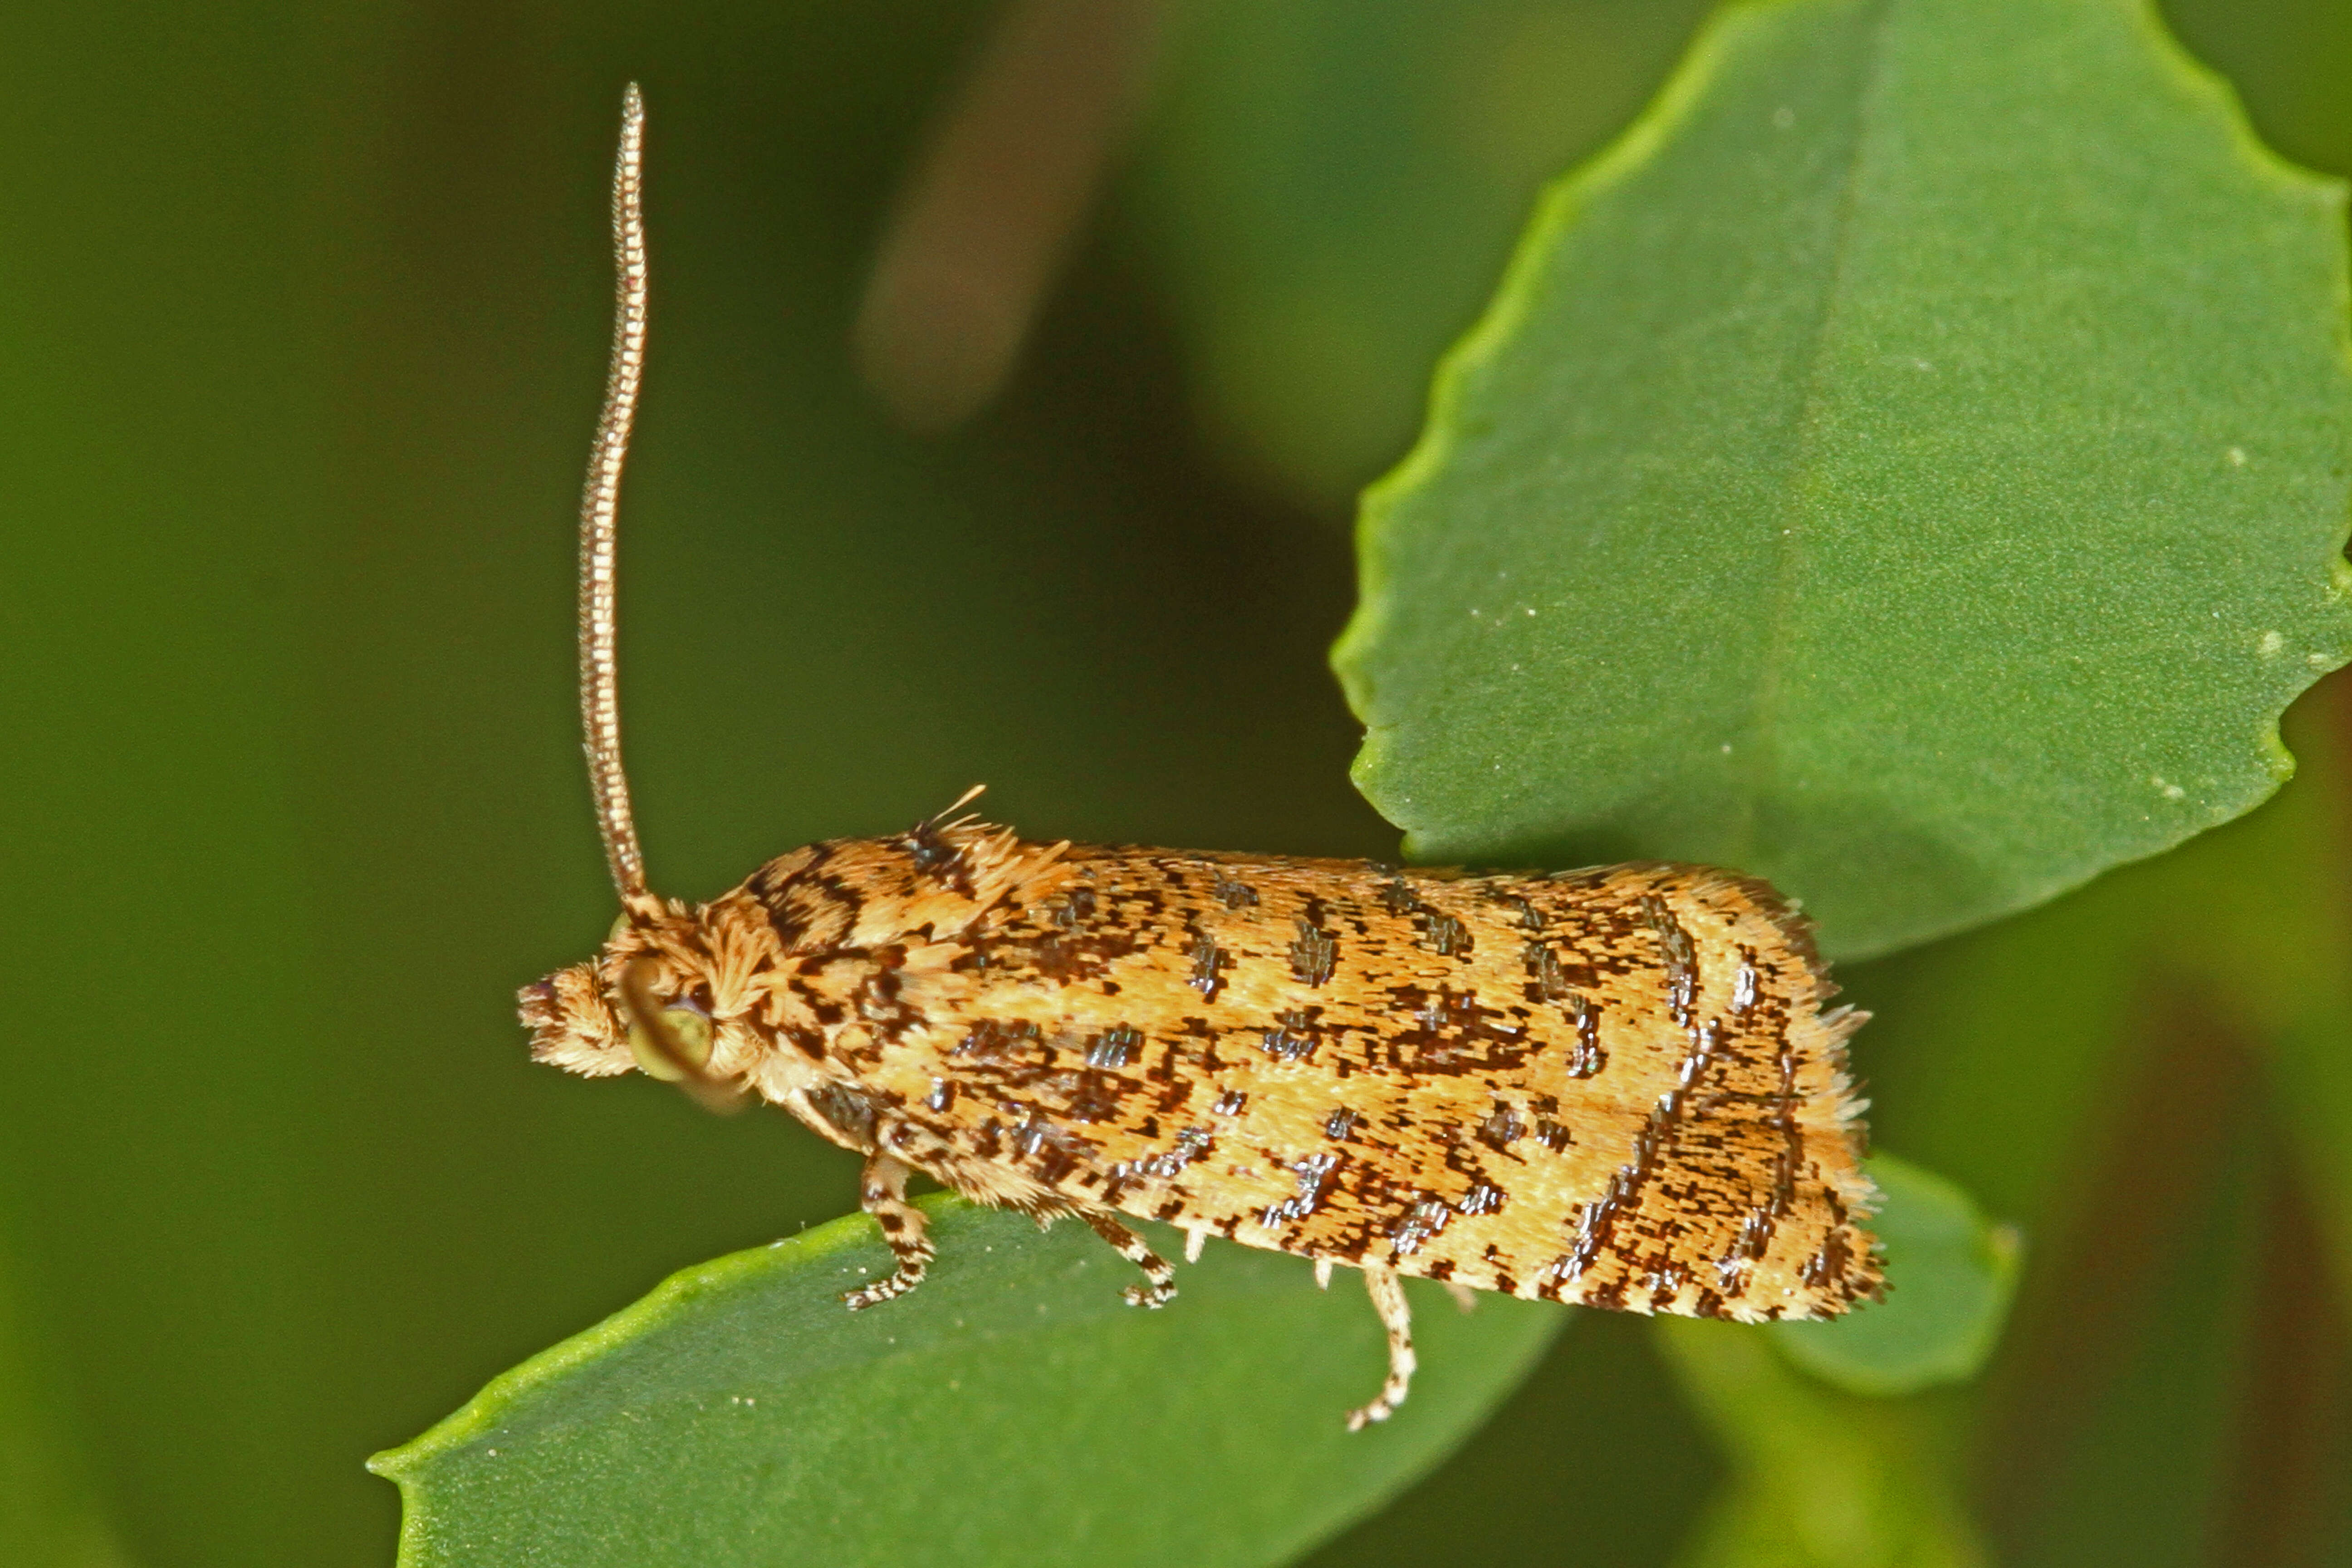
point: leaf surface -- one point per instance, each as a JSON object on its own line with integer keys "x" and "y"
{"x": 1951, "y": 1274}
{"x": 1910, "y": 466}
{"x": 1013, "y": 1409}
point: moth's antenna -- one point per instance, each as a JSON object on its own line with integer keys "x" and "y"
{"x": 600, "y": 694}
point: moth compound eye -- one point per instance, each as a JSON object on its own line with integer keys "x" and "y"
{"x": 674, "y": 1042}
{"x": 669, "y": 1037}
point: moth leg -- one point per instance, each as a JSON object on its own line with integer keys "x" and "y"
{"x": 1463, "y": 1297}
{"x": 1160, "y": 1275}
{"x": 882, "y": 1193}
{"x": 1396, "y": 1317}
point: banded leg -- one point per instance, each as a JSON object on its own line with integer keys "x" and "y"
{"x": 1160, "y": 1275}
{"x": 882, "y": 1193}
{"x": 1396, "y": 1317}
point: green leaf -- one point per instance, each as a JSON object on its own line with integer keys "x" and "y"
{"x": 1823, "y": 1479}
{"x": 1013, "y": 1409}
{"x": 1910, "y": 466}
{"x": 1951, "y": 1274}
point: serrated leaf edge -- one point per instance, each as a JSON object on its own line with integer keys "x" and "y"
{"x": 1565, "y": 200}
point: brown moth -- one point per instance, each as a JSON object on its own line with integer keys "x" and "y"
{"x": 1613, "y": 1087}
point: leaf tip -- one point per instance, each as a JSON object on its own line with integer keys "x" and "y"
{"x": 392, "y": 1463}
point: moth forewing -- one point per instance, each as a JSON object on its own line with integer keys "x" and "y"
{"x": 1615, "y": 1086}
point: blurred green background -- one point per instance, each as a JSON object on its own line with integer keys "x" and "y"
{"x": 302, "y": 319}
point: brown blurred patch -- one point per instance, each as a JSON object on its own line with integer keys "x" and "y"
{"x": 2086, "y": 1306}
{"x": 2286, "y": 1482}
{"x": 982, "y": 225}
{"x": 2144, "y": 1265}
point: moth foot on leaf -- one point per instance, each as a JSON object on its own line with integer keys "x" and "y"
{"x": 881, "y": 1291}
{"x": 882, "y": 1192}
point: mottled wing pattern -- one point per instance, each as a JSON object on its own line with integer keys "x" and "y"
{"x": 1615, "y": 1087}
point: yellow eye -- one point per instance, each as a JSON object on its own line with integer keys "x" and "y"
{"x": 671, "y": 1040}
{"x": 685, "y": 1030}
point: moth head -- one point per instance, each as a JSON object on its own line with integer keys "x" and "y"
{"x": 644, "y": 1003}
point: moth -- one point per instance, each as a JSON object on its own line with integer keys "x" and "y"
{"x": 1613, "y": 1087}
